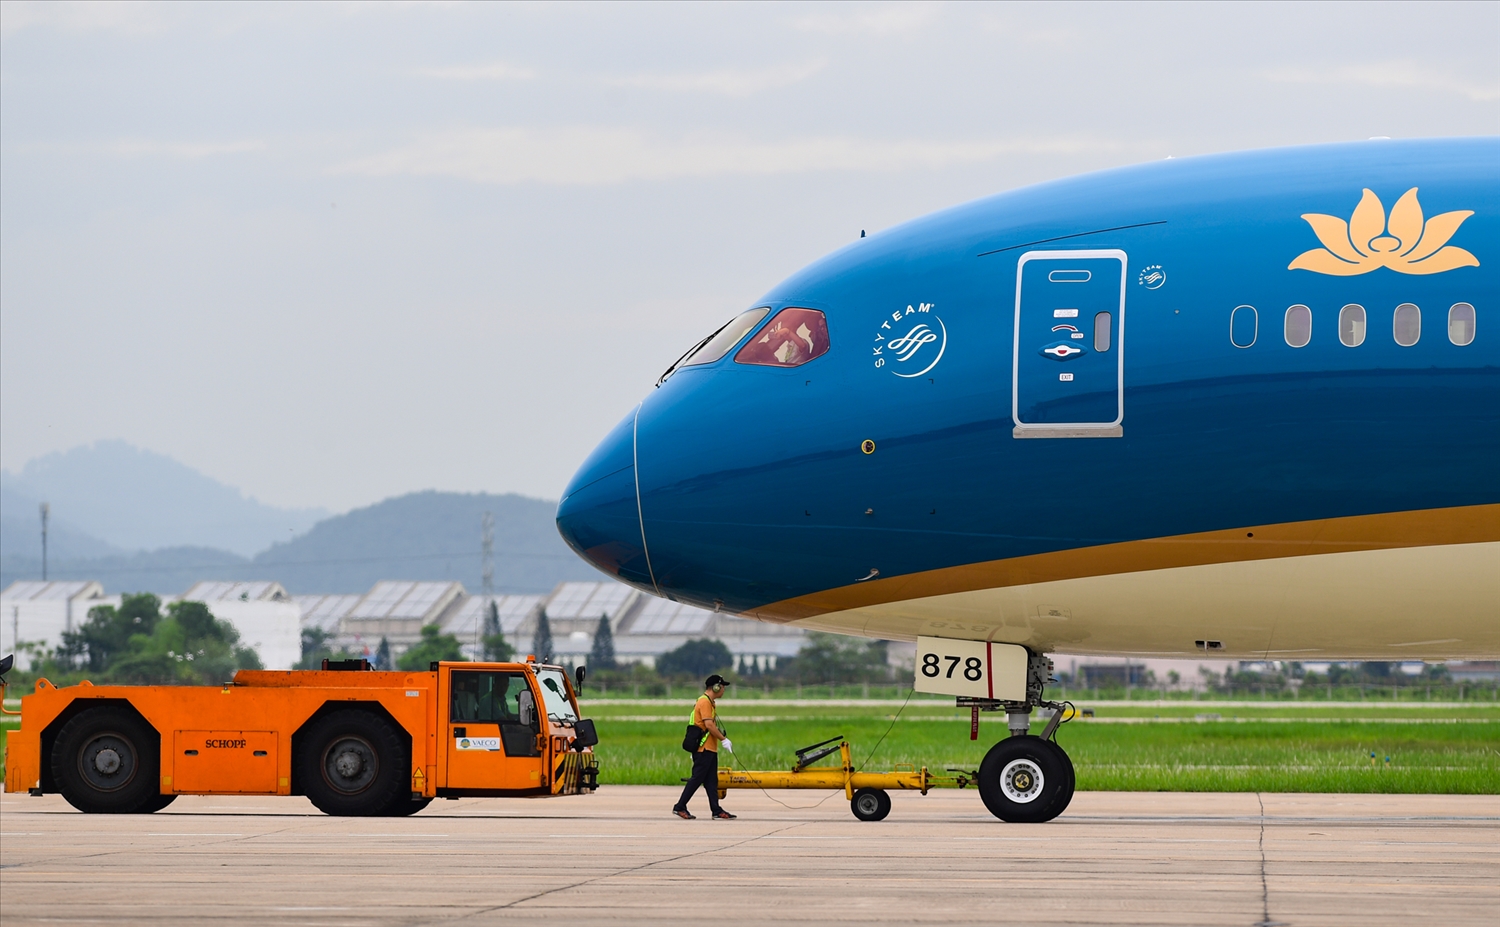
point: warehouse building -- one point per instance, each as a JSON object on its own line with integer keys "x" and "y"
{"x": 644, "y": 627}
{"x": 266, "y": 618}
{"x": 271, "y": 620}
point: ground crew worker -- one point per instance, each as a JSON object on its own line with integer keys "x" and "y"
{"x": 706, "y": 759}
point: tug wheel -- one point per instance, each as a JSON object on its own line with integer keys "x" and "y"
{"x": 1026, "y": 780}
{"x": 157, "y": 803}
{"x": 108, "y": 761}
{"x": 353, "y": 763}
{"x": 404, "y": 807}
{"x": 871, "y": 804}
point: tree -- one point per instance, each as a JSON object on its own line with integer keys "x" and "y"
{"x": 187, "y": 647}
{"x": 541, "y": 640}
{"x": 695, "y": 658}
{"x": 434, "y": 646}
{"x": 496, "y": 648}
{"x": 108, "y": 630}
{"x": 382, "y": 659}
{"x": 316, "y": 649}
{"x": 836, "y": 658}
{"x": 602, "y": 655}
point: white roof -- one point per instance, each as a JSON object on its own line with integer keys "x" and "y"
{"x": 26, "y": 590}
{"x": 405, "y": 599}
{"x": 223, "y": 591}
{"x": 663, "y": 616}
{"x": 513, "y": 609}
{"x": 588, "y": 600}
{"x": 325, "y": 611}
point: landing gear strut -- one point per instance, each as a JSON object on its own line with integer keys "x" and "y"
{"x": 1026, "y": 779}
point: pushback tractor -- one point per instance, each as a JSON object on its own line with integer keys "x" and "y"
{"x": 355, "y": 741}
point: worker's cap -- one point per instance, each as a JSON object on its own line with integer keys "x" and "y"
{"x": 715, "y": 680}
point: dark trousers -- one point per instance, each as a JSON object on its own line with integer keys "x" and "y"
{"x": 706, "y": 774}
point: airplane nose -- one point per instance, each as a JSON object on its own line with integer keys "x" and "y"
{"x": 599, "y": 515}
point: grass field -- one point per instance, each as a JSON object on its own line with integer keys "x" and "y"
{"x": 1173, "y": 745}
{"x": 1136, "y": 746}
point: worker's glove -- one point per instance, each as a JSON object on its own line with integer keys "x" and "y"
{"x": 728, "y": 745}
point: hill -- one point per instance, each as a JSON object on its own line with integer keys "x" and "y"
{"x": 427, "y": 535}
{"x": 424, "y": 536}
{"x": 134, "y": 499}
{"x": 21, "y": 533}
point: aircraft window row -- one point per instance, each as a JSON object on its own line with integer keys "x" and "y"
{"x": 791, "y": 339}
{"x": 1406, "y": 325}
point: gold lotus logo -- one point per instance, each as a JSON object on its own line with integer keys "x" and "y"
{"x": 1405, "y": 244}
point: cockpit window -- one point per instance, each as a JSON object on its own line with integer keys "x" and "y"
{"x": 719, "y": 343}
{"x": 792, "y": 338}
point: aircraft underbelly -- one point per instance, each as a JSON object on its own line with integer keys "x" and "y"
{"x": 1433, "y": 602}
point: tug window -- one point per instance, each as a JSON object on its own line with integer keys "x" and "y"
{"x": 1407, "y": 325}
{"x": 1244, "y": 324}
{"x": 1298, "y": 326}
{"x": 487, "y": 697}
{"x": 792, "y": 338}
{"x": 1461, "y": 324}
{"x": 1102, "y": 322}
{"x": 1352, "y": 325}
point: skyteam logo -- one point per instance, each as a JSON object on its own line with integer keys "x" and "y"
{"x": 910, "y": 343}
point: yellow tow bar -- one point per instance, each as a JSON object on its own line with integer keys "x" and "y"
{"x": 866, "y": 791}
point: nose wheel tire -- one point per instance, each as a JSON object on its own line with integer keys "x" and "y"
{"x": 353, "y": 763}
{"x": 1026, "y": 780}
{"x": 108, "y": 761}
{"x": 871, "y": 804}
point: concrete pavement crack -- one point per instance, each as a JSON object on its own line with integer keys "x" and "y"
{"x": 1265, "y": 892}
{"x": 619, "y": 872}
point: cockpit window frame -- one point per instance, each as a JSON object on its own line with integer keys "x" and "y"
{"x": 690, "y": 357}
{"x": 739, "y": 355}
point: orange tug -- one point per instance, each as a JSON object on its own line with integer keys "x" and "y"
{"x": 353, "y": 740}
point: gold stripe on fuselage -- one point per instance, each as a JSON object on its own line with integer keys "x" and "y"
{"x": 1394, "y": 530}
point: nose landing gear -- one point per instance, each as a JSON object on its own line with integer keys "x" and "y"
{"x": 1026, "y": 779}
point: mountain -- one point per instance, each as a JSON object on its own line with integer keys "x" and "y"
{"x": 166, "y": 571}
{"x": 21, "y": 532}
{"x": 134, "y": 499}
{"x": 428, "y": 535}
{"x": 425, "y": 536}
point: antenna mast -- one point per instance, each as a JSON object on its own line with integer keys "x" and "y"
{"x": 46, "y": 513}
{"x": 486, "y": 574}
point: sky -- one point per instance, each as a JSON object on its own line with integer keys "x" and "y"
{"x": 331, "y": 253}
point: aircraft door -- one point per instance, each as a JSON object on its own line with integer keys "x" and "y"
{"x": 491, "y": 731}
{"x": 1068, "y": 362}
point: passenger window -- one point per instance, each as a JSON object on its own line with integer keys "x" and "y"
{"x": 1352, "y": 325}
{"x": 1298, "y": 326}
{"x": 1407, "y": 325}
{"x": 1102, "y": 323}
{"x": 791, "y": 339}
{"x": 1461, "y": 324}
{"x": 488, "y": 698}
{"x": 1244, "y": 325}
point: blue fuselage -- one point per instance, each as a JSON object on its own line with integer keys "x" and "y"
{"x": 1090, "y": 362}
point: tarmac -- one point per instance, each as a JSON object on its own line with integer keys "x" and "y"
{"x": 618, "y": 857}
